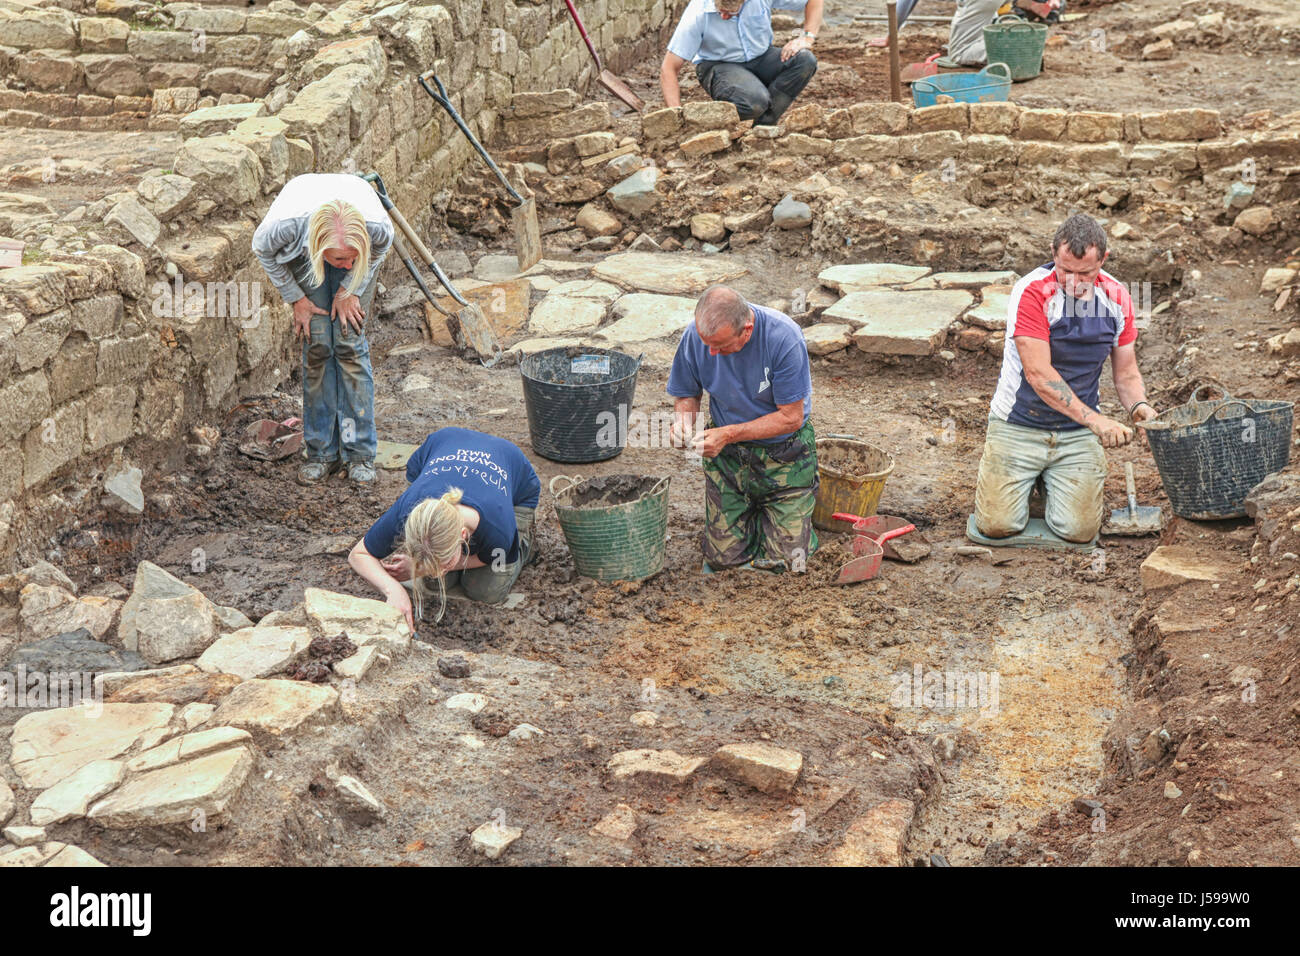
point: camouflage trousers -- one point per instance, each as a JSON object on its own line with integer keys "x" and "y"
{"x": 758, "y": 504}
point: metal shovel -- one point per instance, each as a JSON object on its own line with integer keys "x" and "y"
{"x": 523, "y": 217}
{"x": 469, "y": 321}
{"x": 607, "y": 79}
{"x": 1135, "y": 519}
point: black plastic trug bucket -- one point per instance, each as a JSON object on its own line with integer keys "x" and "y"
{"x": 578, "y": 400}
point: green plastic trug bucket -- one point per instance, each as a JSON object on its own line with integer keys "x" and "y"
{"x": 1017, "y": 43}
{"x": 616, "y": 526}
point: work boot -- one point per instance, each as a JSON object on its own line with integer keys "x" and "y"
{"x": 314, "y": 472}
{"x": 362, "y": 472}
{"x": 779, "y": 104}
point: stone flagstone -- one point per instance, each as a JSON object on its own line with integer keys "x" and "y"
{"x": 256, "y": 651}
{"x": 963, "y": 280}
{"x": 869, "y": 275}
{"x": 190, "y": 745}
{"x": 899, "y": 323}
{"x": 653, "y": 766}
{"x": 642, "y": 316}
{"x": 70, "y": 797}
{"x": 827, "y": 337}
{"x": 667, "y": 273}
{"x": 564, "y": 314}
{"x": 274, "y": 708}
{"x": 991, "y": 313}
{"x": 173, "y": 794}
{"x": 763, "y": 766}
{"x": 73, "y": 856}
{"x": 1172, "y": 565}
{"x": 197, "y": 687}
{"x": 365, "y": 621}
{"x": 49, "y": 745}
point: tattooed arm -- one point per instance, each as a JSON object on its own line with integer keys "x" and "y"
{"x": 1036, "y": 356}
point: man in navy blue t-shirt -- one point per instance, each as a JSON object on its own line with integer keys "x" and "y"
{"x": 760, "y": 460}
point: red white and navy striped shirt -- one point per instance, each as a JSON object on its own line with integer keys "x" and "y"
{"x": 1081, "y": 333}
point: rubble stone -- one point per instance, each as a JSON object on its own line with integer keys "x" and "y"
{"x": 763, "y": 766}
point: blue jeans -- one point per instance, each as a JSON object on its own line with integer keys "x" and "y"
{"x": 338, "y": 384}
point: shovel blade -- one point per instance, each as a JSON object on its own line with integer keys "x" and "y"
{"x": 620, "y": 89}
{"x": 528, "y": 235}
{"x": 863, "y": 568}
{"x": 1148, "y": 519}
{"x": 478, "y": 334}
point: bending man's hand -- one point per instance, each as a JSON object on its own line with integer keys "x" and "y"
{"x": 347, "y": 308}
{"x": 303, "y": 310}
{"x": 711, "y": 441}
{"x": 794, "y": 46}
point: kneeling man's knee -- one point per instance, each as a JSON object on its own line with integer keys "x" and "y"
{"x": 804, "y": 62}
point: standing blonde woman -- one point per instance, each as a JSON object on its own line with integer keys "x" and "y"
{"x": 322, "y": 243}
{"x": 466, "y": 517}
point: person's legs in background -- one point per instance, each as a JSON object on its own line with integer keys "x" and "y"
{"x": 319, "y": 391}
{"x": 966, "y": 34}
{"x": 355, "y": 385}
{"x": 734, "y": 83}
{"x": 784, "y": 81}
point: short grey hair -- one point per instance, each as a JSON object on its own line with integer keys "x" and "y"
{"x": 1080, "y": 233}
{"x": 721, "y": 307}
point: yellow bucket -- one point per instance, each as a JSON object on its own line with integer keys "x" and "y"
{"x": 852, "y": 476}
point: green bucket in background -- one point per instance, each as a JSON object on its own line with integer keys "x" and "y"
{"x": 621, "y": 541}
{"x": 1017, "y": 43}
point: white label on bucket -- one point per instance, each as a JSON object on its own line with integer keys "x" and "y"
{"x": 589, "y": 364}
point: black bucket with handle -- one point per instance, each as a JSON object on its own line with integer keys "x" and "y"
{"x": 1211, "y": 452}
{"x": 578, "y": 400}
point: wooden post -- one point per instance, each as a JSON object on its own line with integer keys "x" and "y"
{"x": 895, "y": 84}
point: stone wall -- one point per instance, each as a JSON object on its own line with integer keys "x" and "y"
{"x": 98, "y": 354}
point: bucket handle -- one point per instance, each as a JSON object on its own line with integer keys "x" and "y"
{"x": 1223, "y": 398}
{"x": 1217, "y": 413}
{"x": 573, "y": 483}
{"x": 1010, "y": 19}
{"x": 988, "y": 70}
{"x": 660, "y": 485}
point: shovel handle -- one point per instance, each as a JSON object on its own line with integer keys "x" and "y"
{"x": 1131, "y": 488}
{"x": 895, "y": 533}
{"x": 582, "y": 32}
{"x": 412, "y": 236}
{"x": 442, "y": 100}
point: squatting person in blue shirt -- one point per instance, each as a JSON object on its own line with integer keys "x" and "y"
{"x": 322, "y": 243}
{"x": 760, "y": 456}
{"x": 466, "y": 517}
{"x": 730, "y": 43}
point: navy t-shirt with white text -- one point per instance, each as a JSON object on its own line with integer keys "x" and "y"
{"x": 494, "y": 477}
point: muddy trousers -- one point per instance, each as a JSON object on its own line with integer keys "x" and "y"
{"x": 762, "y": 88}
{"x": 966, "y": 33}
{"x": 338, "y": 384}
{"x": 758, "y": 503}
{"x": 491, "y": 583}
{"x": 1073, "y": 466}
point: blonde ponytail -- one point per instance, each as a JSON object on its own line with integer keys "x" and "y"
{"x": 432, "y": 539}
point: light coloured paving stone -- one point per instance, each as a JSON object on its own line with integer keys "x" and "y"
{"x": 869, "y": 275}
{"x": 193, "y": 715}
{"x": 71, "y": 796}
{"x": 275, "y": 708}
{"x": 253, "y": 652}
{"x": 188, "y": 746}
{"x": 164, "y": 755}
{"x": 110, "y": 682}
{"x": 1172, "y": 565}
{"x": 876, "y": 838}
{"x": 358, "y": 665}
{"x": 174, "y": 794}
{"x": 496, "y": 268}
{"x": 492, "y": 839}
{"x": 587, "y": 289}
{"x": 653, "y": 766}
{"x": 30, "y": 855}
{"x": 763, "y": 766}
{"x": 667, "y": 272}
{"x": 642, "y": 316}
{"x": 47, "y": 746}
{"x": 619, "y": 824}
{"x": 991, "y": 313}
{"x": 962, "y": 280}
{"x": 365, "y": 621}
{"x": 532, "y": 346}
{"x": 73, "y": 856}
{"x": 471, "y": 703}
{"x": 827, "y": 337}
{"x": 1275, "y": 278}
{"x": 900, "y": 323}
{"x": 558, "y": 315}
{"x": 7, "y": 803}
{"x": 25, "y": 836}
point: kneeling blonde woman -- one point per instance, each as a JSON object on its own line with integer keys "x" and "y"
{"x": 466, "y": 517}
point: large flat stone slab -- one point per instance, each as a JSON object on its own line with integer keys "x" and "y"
{"x": 991, "y": 313}
{"x": 70, "y": 797}
{"x": 1172, "y": 565}
{"x": 275, "y": 708}
{"x": 827, "y": 337}
{"x": 869, "y": 275}
{"x": 174, "y": 794}
{"x": 899, "y": 323}
{"x": 496, "y": 268}
{"x": 963, "y": 280}
{"x": 653, "y": 766}
{"x": 253, "y": 652}
{"x": 50, "y": 745}
{"x": 643, "y": 316}
{"x": 667, "y": 272}
{"x": 558, "y": 315}
{"x": 363, "y": 620}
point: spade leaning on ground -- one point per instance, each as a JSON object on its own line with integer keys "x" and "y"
{"x": 322, "y": 243}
